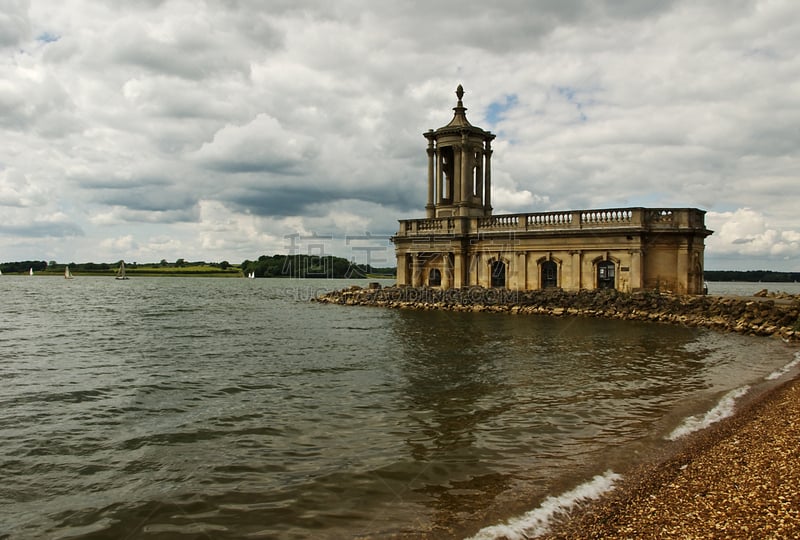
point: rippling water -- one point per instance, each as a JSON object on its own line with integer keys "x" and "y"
{"x": 225, "y": 408}
{"x": 743, "y": 288}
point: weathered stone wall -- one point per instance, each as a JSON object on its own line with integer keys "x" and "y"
{"x": 760, "y": 316}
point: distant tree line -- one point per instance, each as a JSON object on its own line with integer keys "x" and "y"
{"x": 92, "y": 267}
{"x": 298, "y": 266}
{"x": 311, "y": 266}
{"x": 23, "y": 266}
{"x": 751, "y": 276}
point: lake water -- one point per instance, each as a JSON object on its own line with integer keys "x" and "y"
{"x": 743, "y": 288}
{"x": 235, "y": 408}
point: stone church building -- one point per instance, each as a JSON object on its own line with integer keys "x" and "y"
{"x": 461, "y": 243}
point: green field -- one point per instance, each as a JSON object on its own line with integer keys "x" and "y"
{"x": 148, "y": 270}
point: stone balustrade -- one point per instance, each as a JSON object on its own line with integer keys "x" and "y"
{"x": 609, "y": 218}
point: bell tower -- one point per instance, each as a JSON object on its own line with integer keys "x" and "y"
{"x": 459, "y": 167}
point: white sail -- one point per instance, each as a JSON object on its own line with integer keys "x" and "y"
{"x": 30, "y": 273}
{"x": 67, "y": 273}
{"x": 121, "y": 271}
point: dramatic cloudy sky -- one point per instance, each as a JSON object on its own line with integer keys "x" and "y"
{"x": 224, "y": 130}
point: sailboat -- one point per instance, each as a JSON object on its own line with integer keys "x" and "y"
{"x": 251, "y": 275}
{"x": 121, "y": 271}
{"x": 67, "y": 273}
{"x": 30, "y": 273}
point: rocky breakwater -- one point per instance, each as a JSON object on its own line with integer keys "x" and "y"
{"x": 765, "y": 315}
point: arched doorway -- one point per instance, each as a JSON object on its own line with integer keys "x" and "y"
{"x": 498, "y": 274}
{"x": 435, "y": 277}
{"x": 606, "y": 278}
{"x": 549, "y": 274}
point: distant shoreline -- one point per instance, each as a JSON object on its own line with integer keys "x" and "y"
{"x": 178, "y": 273}
{"x": 134, "y": 273}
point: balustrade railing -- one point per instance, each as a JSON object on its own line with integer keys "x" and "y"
{"x": 613, "y": 216}
{"x": 430, "y": 224}
{"x": 567, "y": 220}
{"x": 660, "y": 216}
{"x": 499, "y": 222}
{"x": 548, "y": 219}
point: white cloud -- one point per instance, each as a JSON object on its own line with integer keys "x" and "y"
{"x": 121, "y": 244}
{"x": 508, "y": 201}
{"x": 17, "y": 191}
{"x": 246, "y": 235}
{"x": 747, "y": 232}
{"x": 262, "y": 145}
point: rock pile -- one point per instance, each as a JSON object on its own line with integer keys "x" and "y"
{"x": 760, "y": 316}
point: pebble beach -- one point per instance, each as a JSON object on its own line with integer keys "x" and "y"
{"x": 737, "y": 479}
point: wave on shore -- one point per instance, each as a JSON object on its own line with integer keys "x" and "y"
{"x": 537, "y": 522}
{"x": 777, "y": 374}
{"x": 725, "y": 407}
{"x": 721, "y": 410}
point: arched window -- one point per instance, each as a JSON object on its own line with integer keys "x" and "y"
{"x": 434, "y": 277}
{"x": 549, "y": 274}
{"x": 498, "y": 274}
{"x": 605, "y": 275}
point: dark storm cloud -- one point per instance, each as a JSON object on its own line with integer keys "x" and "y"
{"x": 281, "y": 202}
{"x": 43, "y": 229}
{"x": 315, "y": 201}
{"x": 14, "y": 23}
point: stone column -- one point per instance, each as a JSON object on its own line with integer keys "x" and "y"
{"x": 429, "y": 207}
{"x": 478, "y": 180}
{"x": 439, "y": 177}
{"x": 487, "y": 180}
{"x": 465, "y": 177}
{"x": 455, "y": 196}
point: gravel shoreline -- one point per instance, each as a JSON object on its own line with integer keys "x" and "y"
{"x": 739, "y": 478}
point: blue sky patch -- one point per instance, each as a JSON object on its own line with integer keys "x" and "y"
{"x": 496, "y": 109}
{"x": 47, "y": 37}
{"x": 570, "y": 94}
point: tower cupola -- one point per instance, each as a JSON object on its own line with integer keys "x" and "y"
{"x": 459, "y": 167}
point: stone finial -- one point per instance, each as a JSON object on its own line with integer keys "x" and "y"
{"x": 459, "y": 119}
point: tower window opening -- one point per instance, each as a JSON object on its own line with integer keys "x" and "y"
{"x": 447, "y": 172}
